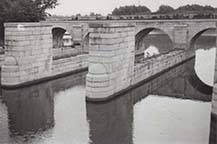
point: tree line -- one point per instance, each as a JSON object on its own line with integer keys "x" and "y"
{"x": 163, "y": 9}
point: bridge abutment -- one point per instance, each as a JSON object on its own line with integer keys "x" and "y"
{"x": 111, "y": 59}
{"x": 28, "y": 53}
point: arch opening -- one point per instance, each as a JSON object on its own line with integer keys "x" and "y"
{"x": 150, "y": 42}
{"x": 204, "y": 39}
{"x": 61, "y": 38}
{"x": 203, "y": 44}
{"x": 86, "y": 43}
{"x": 63, "y": 44}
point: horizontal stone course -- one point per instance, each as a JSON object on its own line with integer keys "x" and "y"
{"x": 29, "y": 44}
{"x": 69, "y": 64}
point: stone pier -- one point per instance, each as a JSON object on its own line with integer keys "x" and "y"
{"x": 28, "y": 54}
{"x": 111, "y": 59}
{"x": 180, "y": 36}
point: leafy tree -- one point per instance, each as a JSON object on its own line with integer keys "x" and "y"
{"x": 131, "y": 10}
{"x": 164, "y": 9}
{"x": 23, "y": 11}
{"x": 195, "y": 8}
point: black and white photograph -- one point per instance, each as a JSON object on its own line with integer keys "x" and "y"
{"x": 108, "y": 72}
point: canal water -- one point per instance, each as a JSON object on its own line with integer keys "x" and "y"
{"x": 173, "y": 108}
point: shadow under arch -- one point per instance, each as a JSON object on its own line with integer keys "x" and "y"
{"x": 195, "y": 81}
{"x": 197, "y": 35}
{"x": 58, "y": 33}
{"x": 86, "y": 45}
{"x": 144, "y": 32}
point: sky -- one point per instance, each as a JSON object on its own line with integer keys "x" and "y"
{"x": 72, "y": 7}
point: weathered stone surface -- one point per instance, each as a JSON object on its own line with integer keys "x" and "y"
{"x": 27, "y": 52}
{"x": 111, "y": 59}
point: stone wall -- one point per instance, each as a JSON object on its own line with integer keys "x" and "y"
{"x": 141, "y": 71}
{"x": 152, "y": 66}
{"x": 111, "y": 59}
{"x": 1, "y": 60}
{"x": 180, "y": 36}
{"x": 65, "y": 52}
{"x": 69, "y": 64}
{"x": 28, "y": 55}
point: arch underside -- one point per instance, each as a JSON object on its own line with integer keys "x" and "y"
{"x": 143, "y": 33}
{"x": 58, "y": 37}
{"x": 196, "y": 36}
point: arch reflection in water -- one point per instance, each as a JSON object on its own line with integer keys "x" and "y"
{"x": 187, "y": 86}
{"x": 30, "y": 110}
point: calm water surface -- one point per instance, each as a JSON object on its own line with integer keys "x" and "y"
{"x": 172, "y": 108}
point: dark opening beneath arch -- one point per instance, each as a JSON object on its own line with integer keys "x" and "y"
{"x": 58, "y": 37}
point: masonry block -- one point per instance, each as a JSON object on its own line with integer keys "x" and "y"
{"x": 111, "y": 59}
{"x": 28, "y": 55}
{"x": 180, "y": 37}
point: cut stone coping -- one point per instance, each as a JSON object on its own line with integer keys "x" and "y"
{"x": 26, "y": 24}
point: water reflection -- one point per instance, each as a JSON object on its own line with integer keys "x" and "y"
{"x": 113, "y": 121}
{"x": 187, "y": 86}
{"x": 52, "y": 112}
{"x": 29, "y": 110}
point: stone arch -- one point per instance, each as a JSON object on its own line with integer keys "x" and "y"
{"x": 57, "y": 33}
{"x": 144, "y": 32}
{"x": 194, "y": 37}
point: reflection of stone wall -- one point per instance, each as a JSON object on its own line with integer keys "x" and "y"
{"x": 111, "y": 122}
{"x": 30, "y": 109}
